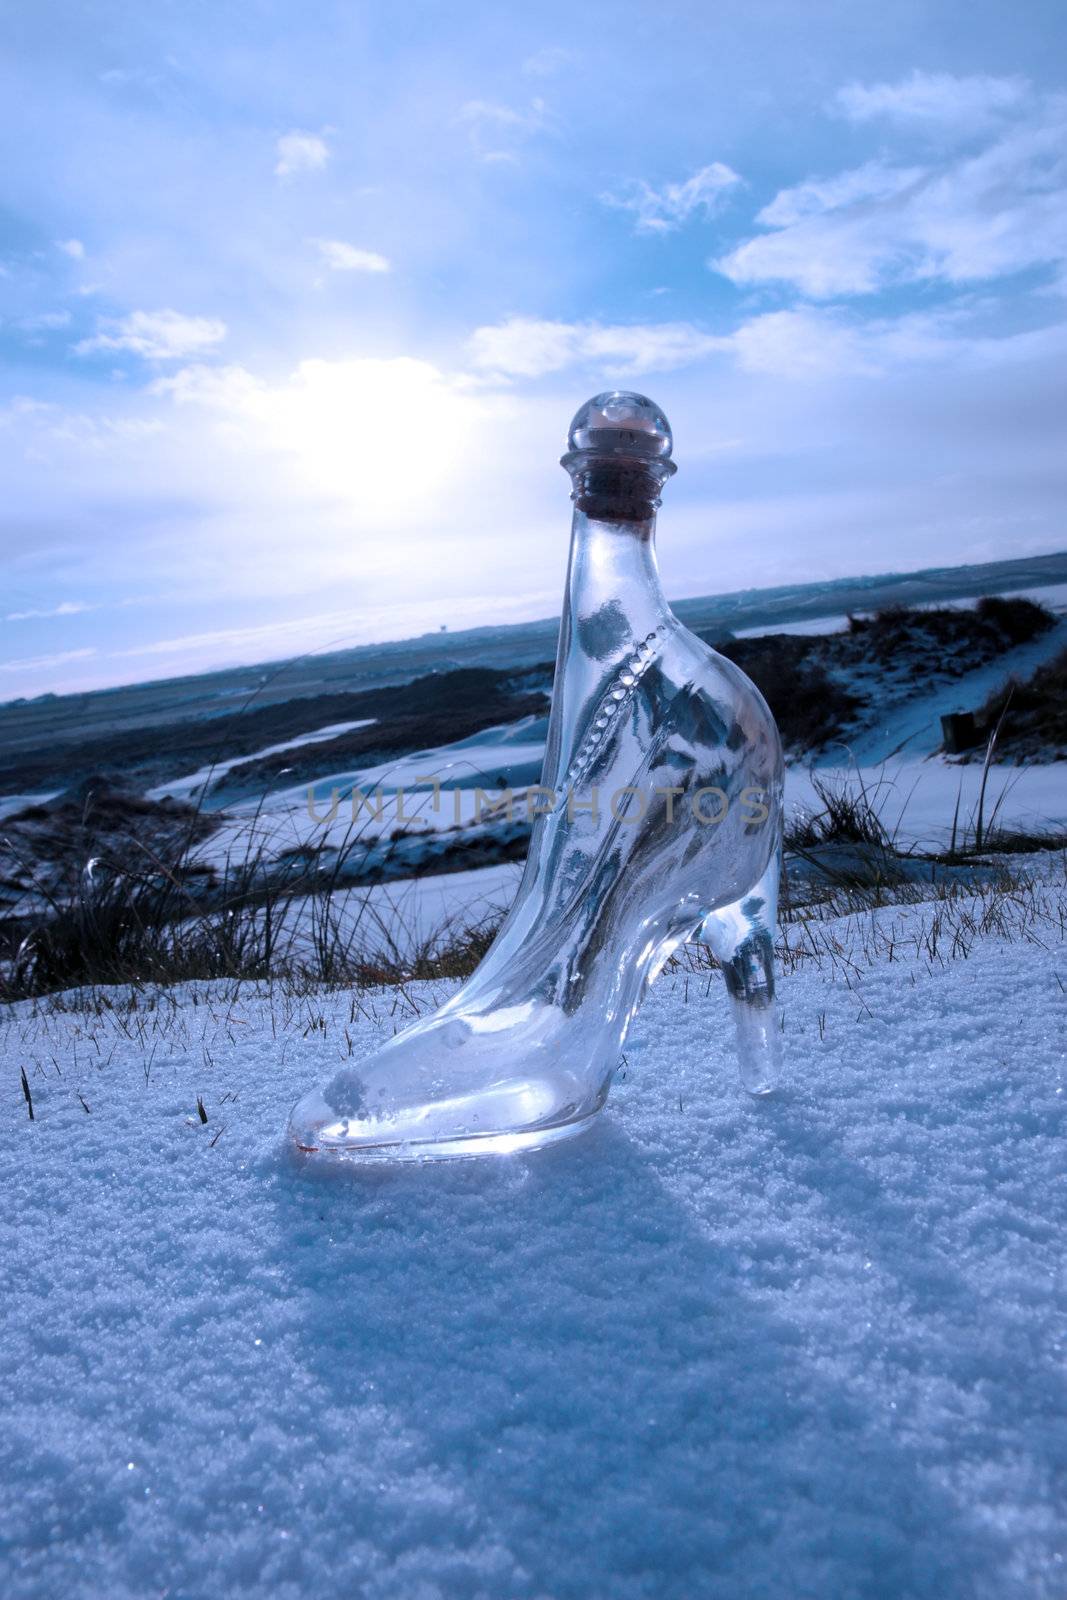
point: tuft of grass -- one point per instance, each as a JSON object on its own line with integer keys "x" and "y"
{"x": 848, "y": 816}
{"x": 145, "y": 923}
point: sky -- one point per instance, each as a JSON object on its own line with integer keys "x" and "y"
{"x": 296, "y": 303}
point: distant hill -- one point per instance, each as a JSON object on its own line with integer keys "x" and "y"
{"x": 60, "y": 719}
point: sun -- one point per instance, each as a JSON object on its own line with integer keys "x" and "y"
{"x": 385, "y": 435}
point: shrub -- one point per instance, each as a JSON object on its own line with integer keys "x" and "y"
{"x": 1017, "y": 618}
{"x": 1035, "y": 712}
{"x": 809, "y": 706}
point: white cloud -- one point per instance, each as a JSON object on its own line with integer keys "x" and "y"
{"x": 479, "y": 111}
{"x": 342, "y": 257}
{"x": 226, "y": 388}
{"x": 66, "y": 608}
{"x": 660, "y": 210}
{"x": 72, "y": 248}
{"x": 40, "y": 426}
{"x": 300, "y": 152}
{"x": 978, "y": 216}
{"x": 545, "y": 63}
{"x": 523, "y": 347}
{"x": 935, "y": 99}
{"x": 496, "y": 129}
{"x": 927, "y": 439}
{"x": 44, "y": 321}
{"x": 157, "y": 335}
{"x": 45, "y": 663}
{"x": 829, "y": 342}
{"x": 848, "y": 249}
{"x": 803, "y": 344}
{"x": 816, "y": 196}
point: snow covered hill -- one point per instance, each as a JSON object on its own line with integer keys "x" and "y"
{"x": 811, "y": 1346}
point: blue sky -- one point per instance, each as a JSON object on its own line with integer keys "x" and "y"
{"x": 296, "y": 302}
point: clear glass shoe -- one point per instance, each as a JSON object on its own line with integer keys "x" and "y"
{"x": 659, "y": 821}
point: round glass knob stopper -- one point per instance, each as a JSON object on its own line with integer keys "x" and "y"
{"x": 620, "y": 423}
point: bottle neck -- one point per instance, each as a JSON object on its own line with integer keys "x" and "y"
{"x": 613, "y": 572}
{"x": 613, "y": 602}
{"x": 614, "y": 596}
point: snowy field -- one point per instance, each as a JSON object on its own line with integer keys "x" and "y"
{"x": 805, "y": 1347}
{"x": 916, "y": 801}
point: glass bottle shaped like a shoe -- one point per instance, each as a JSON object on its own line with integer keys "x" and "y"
{"x": 659, "y": 821}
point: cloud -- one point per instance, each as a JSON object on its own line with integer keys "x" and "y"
{"x": 22, "y": 407}
{"x": 157, "y": 335}
{"x": 802, "y": 344}
{"x": 820, "y": 436}
{"x": 496, "y": 129}
{"x": 547, "y": 62}
{"x": 72, "y": 248}
{"x": 935, "y": 100}
{"x": 817, "y": 196}
{"x": 807, "y": 343}
{"x": 300, "y": 152}
{"x": 977, "y": 216}
{"x": 813, "y": 342}
{"x": 66, "y": 608}
{"x": 41, "y": 425}
{"x": 523, "y": 347}
{"x": 44, "y": 321}
{"x": 661, "y": 210}
{"x": 45, "y": 663}
{"x": 342, "y": 257}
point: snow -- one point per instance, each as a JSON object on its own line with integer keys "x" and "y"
{"x": 11, "y": 804}
{"x": 897, "y": 754}
{"x": 405, "y": 917}
{"x": 916, "y": 800}
{"x": 811, "y": 626}
{"x": 512, "y": 751}
{"x": 912, "y": 723}
{"x": 811, "y": 1346}
{"x": 189, "y": 787}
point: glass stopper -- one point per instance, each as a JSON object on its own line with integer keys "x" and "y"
{"x": 620, "y": 423}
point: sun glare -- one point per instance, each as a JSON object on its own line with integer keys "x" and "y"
{"x": 386, "y": 435}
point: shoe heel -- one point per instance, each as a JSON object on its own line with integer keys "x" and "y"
{"x": 741, "y": 938}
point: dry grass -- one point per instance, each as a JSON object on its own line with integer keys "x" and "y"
{"x": 139, "y": 925}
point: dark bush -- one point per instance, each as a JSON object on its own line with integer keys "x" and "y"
{"x": 809, "y": 706}
{"x": 433, "y": 709}
{"x": 1035, "y": 712}
{"x": 978, "y": 633}
{"x": 1017, "y": 618}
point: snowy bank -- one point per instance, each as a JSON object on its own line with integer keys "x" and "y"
{"x": 804, "y": 1347}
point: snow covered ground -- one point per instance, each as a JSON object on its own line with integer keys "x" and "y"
{"x": 811, "y": 626}
{"x": 189, "y": 787}
{"x": 407, "y": 916}
{"x": 12, "y": 803}
{"x": 810, "y": 1346}
{"x": 916, "y": 800}
{"x": 910, "y": 722}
